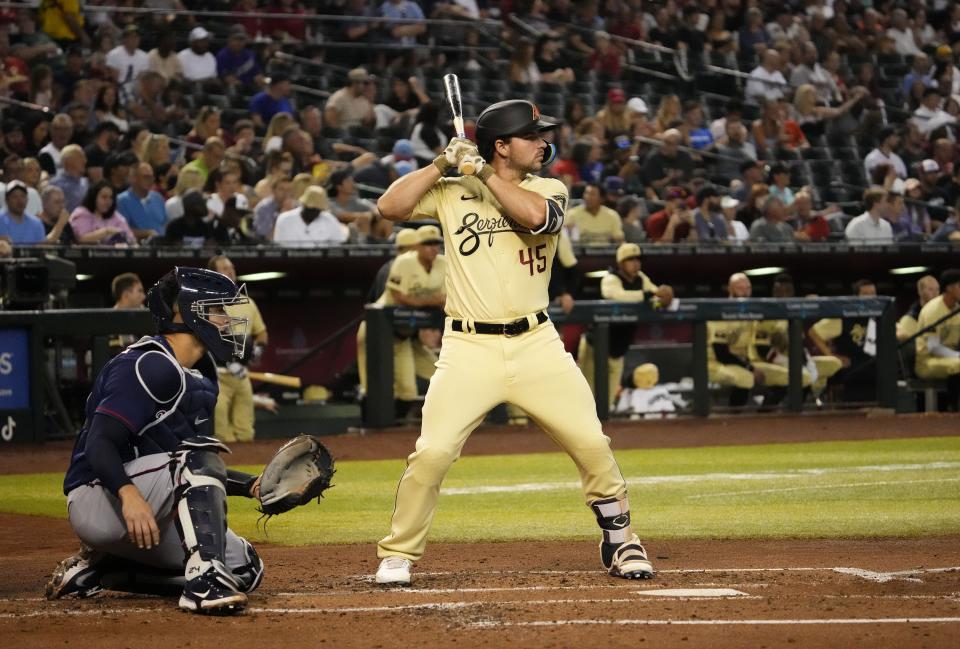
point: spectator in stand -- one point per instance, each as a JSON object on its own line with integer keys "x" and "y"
{"x": 147, "y": 104}
{"x": 812, "y": 226}
{"x": 593, "y": 223}
{"x": 141, "y": 206}
{"x": 206, "y": 124}
{"x": 779, "y": 183}
{"x": 289, "y": 29}
{"x": 696, "y": 135}
{"x": 733, "y": 114}
{"x": 310, "y": 224}
{"x": 773, "y": 131}
{"x": 163, "y": 58}
{"x": 922, "y": 71}
{"x": 61, "y": 133}
{"x": 266, "y": 213}
{"x": 664, "y": 30}
{"x": 56, "y": 219}
{"x": 550, "y": 60}
{"x": 105, "y": 138}
{"x": 187, "y": 179}
{"x": 63, "y": 22}
{"x": 272, "y": 101}
{"x": 914, "y": 218}
{"x": 228, "y": 227}
{"x": 667, "y": 164}
{"x": 815, "y": 119}
{"x": 773, "y": 227}
{"x": 929, "y": 116}
{"x": 735, "y": 153}
{"x": 672, "y": 224}
{"x": 942, "y": 162}
{"x": 193, "y": 229}
{"x": 16, "y": 225}
{"x": 949, "y": 231}
{"x": 209, "y": 159}
{"x": 902, "y": 34}
{"x": 737, "y": 232}
{"x": 885, "y": 153}
{"x": 400, "y": 108}
{"x": 709, "y": 223}
{"x": 360, "y": 215}
{"x": 116, "y": 170}
{"x": 127, "y": 60}
{"x": 785, "y": 26}
{"x": 402, "y": 33}
{"x": 753, "y": 36}
{"x": 16, "y": 169}
{"x": 197, "y": 62}
{"x": 523, "y": 67}
{"x": 607, "y": 58}
{"x": 614, "y": 116}
{"x": 927, "y": 288}
{"x": 631, "y": 212}
{"x": 668, "y": 113}
{"x": 72, "y": 179}
{"x": 349, "y": 107}
{"x": 221, "y": 185}
{"x": 237, "y": 65}
{"x": 427, "y": 139}
{"x": 155, "y": 150}
{"x": 108, "y": 108}
{"x": 96, "y": 221}
{"x": 766, "y": 80}
{"x": 871, "y": 227}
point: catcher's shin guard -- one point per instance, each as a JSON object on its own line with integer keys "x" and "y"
{"x": 202, "y": 502}
{"x": 620, "y": 550}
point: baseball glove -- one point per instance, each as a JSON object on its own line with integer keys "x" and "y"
{"x": 299, "y": 471}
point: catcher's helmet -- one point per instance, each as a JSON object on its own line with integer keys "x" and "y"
{"x": 506, "y": 118}
{"x": 202, "y": 295}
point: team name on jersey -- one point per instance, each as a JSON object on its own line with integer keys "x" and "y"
{"x": 476, "y": 227}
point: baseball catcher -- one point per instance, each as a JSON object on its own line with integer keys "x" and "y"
{"x": 146, "y": 487}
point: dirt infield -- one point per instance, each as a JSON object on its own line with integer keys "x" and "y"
{"x": 818, "y": 593}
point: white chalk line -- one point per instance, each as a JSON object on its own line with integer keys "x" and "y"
{"x": 491, "y": 624}
{"x": 846, "y": 485}
{"x": 703, "y": 477}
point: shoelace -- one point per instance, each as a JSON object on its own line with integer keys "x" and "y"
{"x": 396, "y": 562}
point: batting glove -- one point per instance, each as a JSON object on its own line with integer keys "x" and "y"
{"x": 237, "y": 369}
{"x": 454, "y": 152}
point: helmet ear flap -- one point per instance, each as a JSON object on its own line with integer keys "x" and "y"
{"x": 549, "y": 154}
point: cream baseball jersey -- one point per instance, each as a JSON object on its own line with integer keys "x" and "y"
{"x": 497, "y": 270}
{"x": 409, "y": 277}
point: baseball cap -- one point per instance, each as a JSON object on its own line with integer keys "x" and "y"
{"x": 277, "y": 77}
{"x": 315, "y": 198}
{"x": 238, "y": 31}
{"x": 403, "y": 167}
{"x": 403, "y": 149}
{"x": 616, "y": 96}
{"x": 637, "y": 105}
{"x": 929, "y": 166}
{"x": 407, "y": 237}
{"x": 429, "y": 234}
{"x": 237, "y": 203}
{"x": 911, "y": 184}
{"x": 613, "y": 185}
{"x": 198, "y": 34}
{"x": 358, "y": 74}
{"x": 727, "y": 202}
{"x": 628, "y": 251}
{"x": 14, "y": 185}
{"x": 131, "y": 29}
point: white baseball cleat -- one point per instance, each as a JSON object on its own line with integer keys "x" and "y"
{"x": 630, "y": 561}
{"x": 394, "y": 570}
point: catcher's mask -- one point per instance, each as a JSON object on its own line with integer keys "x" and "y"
{"x": 203, "y": 297}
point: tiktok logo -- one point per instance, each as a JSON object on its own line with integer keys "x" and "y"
{"x": 6, "y": 431}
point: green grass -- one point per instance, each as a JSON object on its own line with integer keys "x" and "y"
{"x": 806, "y": 490}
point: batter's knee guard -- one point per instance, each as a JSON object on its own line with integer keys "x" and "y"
{"x": 620, "y": 551}
{"x": 249, "y": 574}
{"x": 202, "y": 502}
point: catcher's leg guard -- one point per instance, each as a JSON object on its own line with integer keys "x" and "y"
{"x": 620, "y": 550}
{"x": 202, "y": 523}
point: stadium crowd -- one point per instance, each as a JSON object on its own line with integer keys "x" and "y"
{"x": 179, "y": 122}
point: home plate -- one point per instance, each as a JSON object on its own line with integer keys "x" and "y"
{"x": 692, "y": 592}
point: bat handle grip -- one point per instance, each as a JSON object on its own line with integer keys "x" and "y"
{"x": 466, "y": 168}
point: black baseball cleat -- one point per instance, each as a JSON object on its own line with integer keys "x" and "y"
{"x": 215, "y": 592}
{"x": 627, "y": 560}
{"x": 76, "y": 575}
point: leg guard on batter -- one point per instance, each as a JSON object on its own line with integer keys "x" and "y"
{"x": 620, "y": 550}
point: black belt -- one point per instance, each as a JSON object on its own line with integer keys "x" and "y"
{"x": 514, "y": 328}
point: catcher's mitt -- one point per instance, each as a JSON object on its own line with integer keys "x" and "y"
{"x": 299, "y": 471}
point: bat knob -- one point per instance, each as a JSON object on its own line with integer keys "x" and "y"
{"x": 467, "y": 168}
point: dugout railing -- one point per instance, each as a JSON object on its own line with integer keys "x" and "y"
{"x": 600, "y": 314}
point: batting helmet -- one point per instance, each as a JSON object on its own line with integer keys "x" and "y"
{"x": 201, "y": 294}
{"x": 506, "y": 118}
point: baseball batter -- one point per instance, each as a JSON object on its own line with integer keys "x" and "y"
{"x": 500, "y": 230}
{"x": 146, "y": 488}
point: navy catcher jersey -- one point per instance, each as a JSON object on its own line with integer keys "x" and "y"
{"x": 159, "y": 402}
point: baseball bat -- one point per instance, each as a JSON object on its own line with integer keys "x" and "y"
{"x": 451, "y": 83}
{"x": 276, "y": 379}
